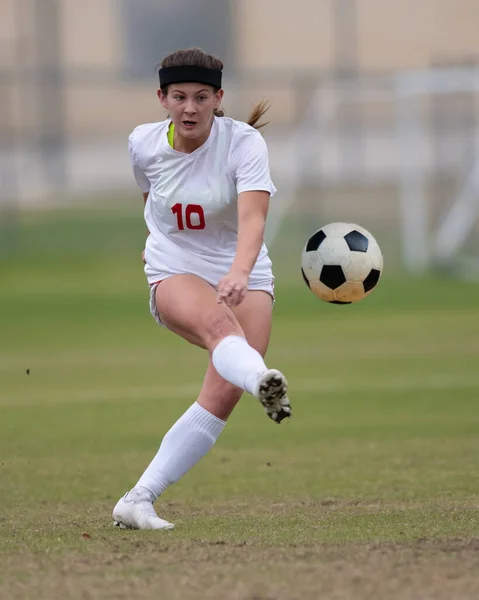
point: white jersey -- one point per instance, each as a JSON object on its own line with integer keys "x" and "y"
{"x": 191, "y": 211}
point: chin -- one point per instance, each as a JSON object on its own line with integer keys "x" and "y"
{"x": 192, "y": 134}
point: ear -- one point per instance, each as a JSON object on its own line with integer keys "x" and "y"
{"x": 218, "y": 98}
{"x": 163, "y": 98}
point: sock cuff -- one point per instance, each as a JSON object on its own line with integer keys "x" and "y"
{"x": 229, "y": 339}
{"x": 203, "y": 419}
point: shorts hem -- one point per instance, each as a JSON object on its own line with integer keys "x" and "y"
{"x": 268, "y": 288}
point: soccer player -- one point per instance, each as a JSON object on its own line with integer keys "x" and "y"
{"x": 206, "y": 185}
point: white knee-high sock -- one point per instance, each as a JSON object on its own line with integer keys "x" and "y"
{"x": 237, "y": 362}
{"x": 190, "y": 438}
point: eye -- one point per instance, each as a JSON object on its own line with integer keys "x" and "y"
{"x": 202, "y": 98}
{"x": 178, "y": 97}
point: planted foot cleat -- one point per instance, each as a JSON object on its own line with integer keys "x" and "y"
{"x": 135, "y": 511}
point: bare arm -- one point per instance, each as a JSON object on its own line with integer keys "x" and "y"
{"x": 252, "y": 211}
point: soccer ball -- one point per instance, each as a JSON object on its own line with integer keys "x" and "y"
{"x": 341, "y": 263}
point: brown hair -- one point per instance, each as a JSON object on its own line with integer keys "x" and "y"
{"x": 195, "y": 57}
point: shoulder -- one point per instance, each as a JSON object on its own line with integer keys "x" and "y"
{"x": 239, "y": 130}
{"x": 243, "y": 139}
{"x": 147, "y": 131}
{"x": 246, "y": 143}
{"x": 144, "y": 141}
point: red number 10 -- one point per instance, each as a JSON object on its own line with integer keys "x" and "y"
{"x": 191, "y": 209}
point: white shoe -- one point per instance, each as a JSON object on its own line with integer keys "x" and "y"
{"x": 135, "y": 511}
{"x": 271, "y": 390}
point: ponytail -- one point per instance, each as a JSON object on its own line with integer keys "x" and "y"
{"x": 257, "y": 112}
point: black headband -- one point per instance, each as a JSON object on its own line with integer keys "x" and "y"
{"x": 169, "y": 75}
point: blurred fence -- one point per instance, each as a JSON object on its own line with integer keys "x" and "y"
{"x": 395, "y": 150}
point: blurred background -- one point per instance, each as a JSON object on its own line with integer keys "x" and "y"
{"x": 374, "y": 114}
{"x": 374, "y": 120}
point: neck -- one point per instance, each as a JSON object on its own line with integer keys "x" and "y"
{"x": 187, "y": 145}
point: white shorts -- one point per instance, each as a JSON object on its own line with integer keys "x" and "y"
{"x": 266, "y": 286}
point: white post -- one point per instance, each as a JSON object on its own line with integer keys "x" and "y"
{"x": 461, "y": 218}
{"x": 414, "y": 212}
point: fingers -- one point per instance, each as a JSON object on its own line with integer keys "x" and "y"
{"x": 241, "y": 295}
{"x": 225, "y": 289}
{"x": 228, "y": 296}
{"x": 235, "y": 296}
{"x": 230, "y": 293}
{"x": 221, "y": 296}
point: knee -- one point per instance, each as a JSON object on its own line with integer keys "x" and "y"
{"x": 218, "y": 326}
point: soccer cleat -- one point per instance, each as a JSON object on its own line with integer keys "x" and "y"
{"x": 135, "y": 511}
{"x": 271, "y": 392}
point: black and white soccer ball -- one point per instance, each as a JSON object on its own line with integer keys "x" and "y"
{"x": 341, "y": 263}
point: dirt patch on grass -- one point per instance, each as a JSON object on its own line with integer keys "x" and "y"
{"x": 443, "y": 569}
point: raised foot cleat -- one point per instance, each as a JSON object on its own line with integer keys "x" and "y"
{"x": 135, "y": 511}
{"x": 271, "y": 391}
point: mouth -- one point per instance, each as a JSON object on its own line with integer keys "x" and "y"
{"x": 189, "y": 124}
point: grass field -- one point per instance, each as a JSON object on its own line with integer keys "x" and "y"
{"x": 370, "y": 492}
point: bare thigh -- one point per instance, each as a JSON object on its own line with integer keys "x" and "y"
{"x": 187, "y": 306}
{"x": 217, "y": 395}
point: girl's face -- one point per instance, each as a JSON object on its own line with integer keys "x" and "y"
{"x": 191, "y": 107}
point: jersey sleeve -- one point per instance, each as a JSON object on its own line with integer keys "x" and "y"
{"x": 140, "y": 177}
{"x": 251, "y": 165}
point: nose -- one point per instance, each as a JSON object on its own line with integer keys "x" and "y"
{"x": 190, "y": 107}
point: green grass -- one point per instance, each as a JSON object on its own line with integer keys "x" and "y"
{"x": 371, "y": 491}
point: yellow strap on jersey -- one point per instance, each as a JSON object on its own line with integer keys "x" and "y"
{"x": 171, "y": 134}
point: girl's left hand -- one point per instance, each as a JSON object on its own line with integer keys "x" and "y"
{"x": 232, "y": 288}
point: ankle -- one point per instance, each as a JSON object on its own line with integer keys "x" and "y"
{"x": 140, "y": 493}
{"x": 252, "y": 380}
